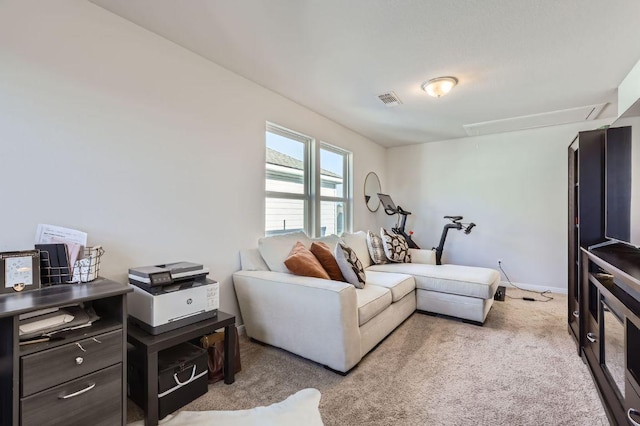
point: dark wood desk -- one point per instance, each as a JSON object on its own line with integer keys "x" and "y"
{"x": 58, "y": 370}
{"x": 150, "y": 346}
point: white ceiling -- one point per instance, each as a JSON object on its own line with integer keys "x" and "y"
{"x": 513, "y": 57}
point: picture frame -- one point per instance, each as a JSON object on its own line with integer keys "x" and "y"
{"x": 19, "y": 271}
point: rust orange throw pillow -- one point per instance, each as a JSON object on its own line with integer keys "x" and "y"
{"x": 302, "y": 262}
{"x": 322, "y": 252}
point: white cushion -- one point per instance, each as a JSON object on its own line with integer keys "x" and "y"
{"x": 454, "y": 279}
{"x": 250, "y": 260}
{"x": 423, "y": 256}
{"x": 274, "y": 250}
{"x": 358, "y": 242}
{"x": 371, "y": 301}
{"x": 329, "y": 240}
{"x": 399, "y": 284}
{"x": 299, "y": 408}
{"x": 350, "y": 266}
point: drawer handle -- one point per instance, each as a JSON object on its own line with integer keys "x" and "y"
{"x": 591, "y": 337}
{"x": 79, "y": 360}
{"x": 80, "y": 392}
{"x": 96, "y": 340}
{"x": 81, "y": 348}
{"x": 576, "y": 314}
{"x": 635, "y": 413}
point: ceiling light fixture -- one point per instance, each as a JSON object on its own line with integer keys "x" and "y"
{"x": 440, "y": 86}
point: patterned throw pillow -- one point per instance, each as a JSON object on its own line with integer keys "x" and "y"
{"x": 376, "y": 248}
{"x": 395, "y": 247}
{"x": 350, "y": 266}
{"x": 302, "y": 262}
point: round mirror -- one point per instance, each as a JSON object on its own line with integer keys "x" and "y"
{"x": 371, "y": 190}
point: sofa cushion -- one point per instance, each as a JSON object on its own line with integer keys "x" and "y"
{"x": 423, "y": 256}
{"x": 274, "y": 250}
{"x": 376, "y": 248}
{"x": 358, "y": 242}
{"x": 350, "y": 265}
{"x": 250, "y": 260}
{"x": 302, "y": 262}
{"x": 330, "y": 240}
{"x": 399, "y": 284}
{"x": 395, "y": 247}
{"x": 371, "y": 301}
{"x": 323, "y": 253}
{"x": 454, "y": 279}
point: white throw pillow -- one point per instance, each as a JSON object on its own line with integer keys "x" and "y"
{"x": 250, "y": 260}
{"x": 376, "y": 248}
{"x": 358, "y": 242}
{"x": 395, "y": 247}
{"x": 275, "y": 250}
{"x": 330, "y": 240}
{"x": 301, "y": 408}
{"x": 350, "y": 265}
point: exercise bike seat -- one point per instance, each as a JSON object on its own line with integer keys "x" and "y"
{"x": 454, "y": 218}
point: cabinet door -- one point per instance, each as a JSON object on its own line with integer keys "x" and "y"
{"x": 573, "y": 245}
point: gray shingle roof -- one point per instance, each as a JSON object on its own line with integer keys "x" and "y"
{"x": 280, "y": 159}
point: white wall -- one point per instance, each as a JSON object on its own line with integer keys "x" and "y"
{"x": 512, "y": 185}
{"x": 629, "y": 89}
{"x": 154, "y": 151}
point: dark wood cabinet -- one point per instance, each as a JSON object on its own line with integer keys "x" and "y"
{"x": 77, "y": 379}
{"x": 603, "y": 309}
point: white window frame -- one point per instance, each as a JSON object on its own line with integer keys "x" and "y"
{"x": 346, "y": 197}
{"x": 307, "y": 141}
{"x": 312, "y": 197}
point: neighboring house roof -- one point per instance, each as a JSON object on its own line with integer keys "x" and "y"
{"x": 279, "y": 159}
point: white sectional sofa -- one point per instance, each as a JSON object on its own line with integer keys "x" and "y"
{"x": 335, "y": 324}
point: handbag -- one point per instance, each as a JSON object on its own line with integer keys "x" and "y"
{"x": 214, "y": 344}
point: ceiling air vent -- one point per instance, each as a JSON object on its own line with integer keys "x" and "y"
{"x": 390, "y": 99}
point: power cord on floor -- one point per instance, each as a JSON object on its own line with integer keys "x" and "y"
{"x": 530, "y": 299}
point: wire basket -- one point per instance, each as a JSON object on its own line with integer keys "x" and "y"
{"x": 84, "y": 270}
{"x": 87, "y": 268}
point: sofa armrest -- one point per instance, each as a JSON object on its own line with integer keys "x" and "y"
{"x": 312, "y": 317}
{"x": 423, "y": 256}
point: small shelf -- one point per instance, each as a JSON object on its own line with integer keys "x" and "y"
{"x": 99, "y": 327}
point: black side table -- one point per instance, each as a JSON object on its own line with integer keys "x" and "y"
{"x": 150, "y": 346}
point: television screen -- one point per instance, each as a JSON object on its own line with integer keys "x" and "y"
{"x": 622, "y": 178}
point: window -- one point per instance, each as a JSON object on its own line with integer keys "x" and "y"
{"x": 307, "y": 185}
{"x": 334, "y": 169}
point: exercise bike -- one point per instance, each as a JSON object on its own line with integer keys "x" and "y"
{"x": 390, "y": 208}
{"x": 455, "y": 224}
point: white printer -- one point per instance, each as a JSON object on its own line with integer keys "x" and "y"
{"x": 170, "y": 296}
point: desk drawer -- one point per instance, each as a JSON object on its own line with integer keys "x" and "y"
{"x": 52, "y": 367}
{"x": 95, "y": 399}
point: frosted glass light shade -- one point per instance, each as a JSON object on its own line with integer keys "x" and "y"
{"x": 440, "y": 86}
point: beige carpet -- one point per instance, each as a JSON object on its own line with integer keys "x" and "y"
{"x": 520, "y": 368}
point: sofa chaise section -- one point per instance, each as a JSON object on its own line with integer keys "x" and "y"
{"x": 464, "y": 292}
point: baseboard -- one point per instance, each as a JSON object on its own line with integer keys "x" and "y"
{"x": 558, "y": 290}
